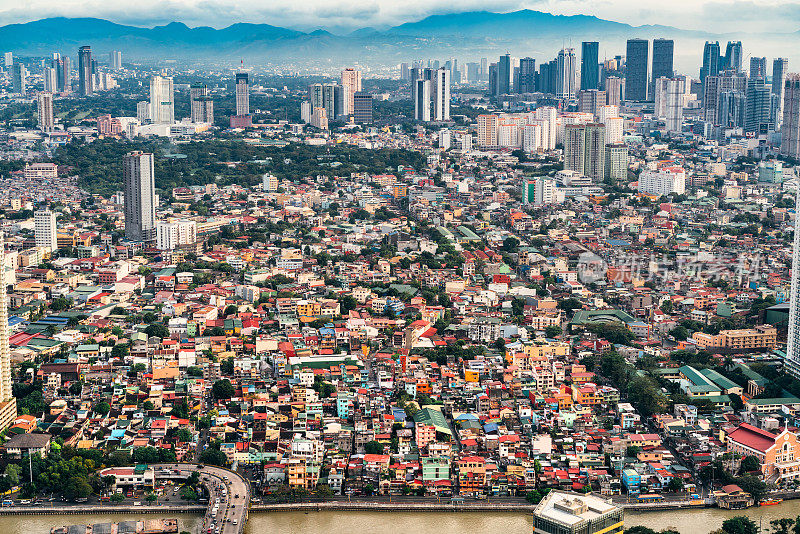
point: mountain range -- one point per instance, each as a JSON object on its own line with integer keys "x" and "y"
{"x": 467, "y": 35}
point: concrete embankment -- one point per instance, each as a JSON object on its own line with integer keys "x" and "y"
{"x": 104, "y": 509}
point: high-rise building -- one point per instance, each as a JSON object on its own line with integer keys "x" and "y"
{"x": 758, "y": 112}
{"x": 242, "y": 94}
{"x": 636, "y": 70}
{"x": 173, "y": 234}
{"x": 728, "y": 81}
{"x": 362, "y": 107}
{"x": 202, "y": 105}
{"x": 584, "y": 150}
{"x": 8, "y": 58}
{"x": 538, "y": 190}
{"x": 162, "y": 100}
{"x": 50, "y": 80}
{"x": 590, "y": 65}
{"x": 731, "y": 109}
{"x": 792, "y": 361}
{"x": 351, "y": 84}
{"x": 405, "y": 73}
{"x": 44, "y": 108}
{"x": 711, "y": 62}
{"x": 115, "y": 60}
{"x": 44, "y": 230}
{"x": 140, "y": 196}
{"x": 616, "y": 162}
{"x": 19, "y": 77}
{"x": 8, "y": 403}
{"x": 733, "y": 56}
{"x": 566, "y": 73}
{"x": 63, "y": 68}
{"x": 85, "y": 71}
{"x": 504, "y": 75}
{"x": 663, "y": 52}
{"x": 143, "y": 111}
{"x": 441, "y": 95}
{"x": 669, "y": 102}
{"x": 422, "y": 102}
{"x": 527, "y": 75}
{"x": 484, "y": 68}
{"x": 328, "y": 96}
{"x": 615, "y": 91}
{"x": 758, "y": 67}
{"x": 591, "y": 100}
{"x": 790, "y": 146}
{"x": 780, "y": 67}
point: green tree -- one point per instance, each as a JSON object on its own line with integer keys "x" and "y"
{"x": 739, "y": 525}
{"x": 373, "y": 447}
{"x": 749, "y": 464}
{"x": 223, "y": 389}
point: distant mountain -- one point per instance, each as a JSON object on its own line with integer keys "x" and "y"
{"x": 467, "y": 35}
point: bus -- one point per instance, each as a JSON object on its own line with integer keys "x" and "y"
{"x": 650, "y": 497}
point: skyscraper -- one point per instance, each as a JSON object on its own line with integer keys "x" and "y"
{"x": 202, "y": 105}
{"x": 44, "y": 108}
{"x": 758, "y": 67}
{"x": 636, "y": 70}
{"x": 733, "y": 56}
{"x": 792, "y": 361}
{"x": 711, "y": 62}
{"x": 584, "y": 150}
{"x": 669, "y": 102}
{"x": 726, "y": 82}
{"x": 441, "y": 93}
{"x": 422, "y": 100}
{"x": 590, "y": 65}
{"x": 85, "y": 73}
{"x": 362, "y": 107}
{"x": 615, "y": 89}
{"x": 566, "y": 75}
{"x": 527, "y": 75}
{"x": 504, "y": 75}
{"x": 242, "y": 94}
{"x": 663, "y": 51}
{"x": 44, "y": 226}
{"x": 591, "y": 100}
{"x": 780, "y": 67}
{"x": 50, "y": 79}
{"x": 140, "y": 201}
{"x": 115, "y": 60}
{"x": 327, "y": 96}
{"x": 8, "y": 59}
{"x": 19, "y": 78}
{"x": 162, "y": 100}
{"x": 351, "y": 84}
{"x": 8, "y": 403}
{"x": 790, "y": 146}
{"x": 63, "y": 68}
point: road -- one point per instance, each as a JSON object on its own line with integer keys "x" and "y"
{"x": 229, "y": 495}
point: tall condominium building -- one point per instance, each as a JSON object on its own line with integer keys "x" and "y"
{"x": 8, "y": 59}
{"x": 711, "y": 62}
{"x": 663, "y": 52}
{"x": 728, "y": 81}
{"x": 115, "y": 60}
{"x": 566, "y": 73}
{"x": 44, "y": 226}
{"x": 663, "y": 182}
{"x": 780, "y": 68}
{"x": 162, "y": 100}
{"x": 669, "y": 102}
{"x": 590, "y": 65}
{"x": 504, "y": 72}
{"x": 591, "y": 100}
{"x": 584, "y": 150}
{"x": 19, "y": 78}
{"x": 44, "y": 108}
{"x": 329, "y": 96}
{"x": 790, "y": 146}
{"x": 202, "y": 105}
{"x": 636, "y": 70}
{"x": 242, "y": 94}
{"x": 140, "y": 196}
{"x": 50, "y": 80}
{"x": 758, "y": 112}
{"x": 362, "y": 107}
{"x": 422, "y": 100}
{"x": 85, "y": 71}
{"x": 63, "y": 68}
{"x": 615, "y": 91}
{"x": 351, "y": 84}
{"x": 441, "y": 95}
{"x": 527, "y": 75}
{"x": 733, "y": 56}
{"x": 538, "y": 191}
{"x": 758, "y": 67}
{"x": 616, "y": 162}
{"x": 792, "y": 361}
{"x": 8, "y": 403}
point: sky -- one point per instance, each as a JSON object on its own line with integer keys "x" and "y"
{"x": 719, "y": 16}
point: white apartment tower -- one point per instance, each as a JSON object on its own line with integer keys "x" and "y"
{"x": 351, "y": 84}
{"x": 140, "y": 197}
{"x": 441, "y": 104}
{"x": 44, "y": 222}
{"x": 242, "y": 94}
{"x": 8, "y": 404}
{"x": 792, "y": 361}
{"x": 44, "y": 104}
{"x": 162, "y": 100}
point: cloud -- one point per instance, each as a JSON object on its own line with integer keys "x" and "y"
{"x": 712, "y": 15}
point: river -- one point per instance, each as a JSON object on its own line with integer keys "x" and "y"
{"x": 696, "y": 521}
